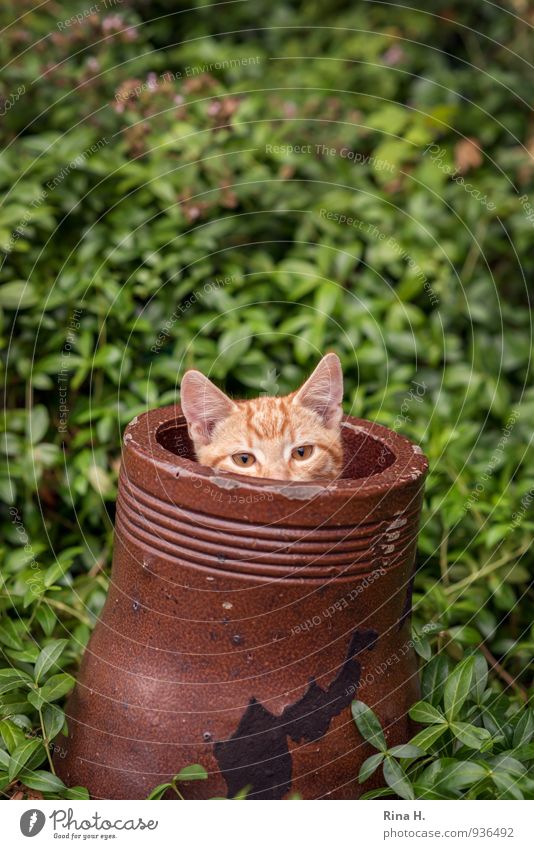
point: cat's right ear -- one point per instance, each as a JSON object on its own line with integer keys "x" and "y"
{"x": 203, "y": 405}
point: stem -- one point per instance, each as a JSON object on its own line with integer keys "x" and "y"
{"x": 486, "y": 570}
{"x": 175, "y": 788}
{"x": 34, "y": 611}
{"x": 67, "y": 609}
{"x": 502, "y": 673}
{"x": 46, "y": 742}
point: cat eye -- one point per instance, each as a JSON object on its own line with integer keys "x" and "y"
{"x": 244, "y": 459}
{"x": 303, "y": 452}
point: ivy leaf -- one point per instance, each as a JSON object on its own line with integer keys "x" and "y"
{"x": 396, "y": 778}
{"x": 368, "y": 725}
{"x": 457, "y": 687}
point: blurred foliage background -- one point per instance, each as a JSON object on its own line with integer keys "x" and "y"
{"x": 353, "y": 177}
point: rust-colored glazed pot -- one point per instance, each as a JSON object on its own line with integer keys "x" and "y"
{"x": 243, "y": 617}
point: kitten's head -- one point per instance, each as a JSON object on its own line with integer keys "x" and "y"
{"x": 297, "y": 437}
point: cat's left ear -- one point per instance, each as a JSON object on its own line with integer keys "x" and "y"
{"x": 323, "y": 391}
{"x": 203, "y": 405}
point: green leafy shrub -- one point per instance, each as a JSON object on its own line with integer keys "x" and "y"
{"x": 473, "y": 744}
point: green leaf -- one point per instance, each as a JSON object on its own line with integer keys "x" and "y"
{"x": 243, "y": 793}
{"x": 57, "y": 686}
{"x": 470, "y": 735}
{"x": 462, "y": 774}
{"x": 11, "y": 735}
{"x": 480, "y": 675}
{"x": 507, "y": 786}
{"x": 53, "y": 720}
{"x": 48, "y": 657}
{"x": 369, "y": 766}
{"x": 37, "y": 423}
{"x": 75, "y": 793}
{"x": 426, "y": 713}
{"x": 524, "y": 753}
{"x": 46, "y": 618}
{"x": 22, "y": 755}
{"x": 12, "y": 679}
{"x": 433, "y": 679}
{"x": 18, "y": 295}
{"x": 457, "y": 687}
{"x": 160, "y": 791}
{"x": 406, "y": 750}
{"x": 428, "y": 736}
{"x": 41, "y": 779}
{"x": 507, "y": 763}
{"x": 9, "y": 635}
{"x": 396, "y": 778}
{"x": 524, "y": 730}
{"x": 35, "y": 698}
{"x": 12, "y": 673}
{"x": 368, "y": 725}
{"x": 193, "y": 772}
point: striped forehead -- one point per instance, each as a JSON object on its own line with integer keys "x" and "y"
{"x": 268, "y": 418}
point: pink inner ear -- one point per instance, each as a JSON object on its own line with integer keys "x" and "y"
{"x": 203, "y": 405}
{"x": 323, "y": 391}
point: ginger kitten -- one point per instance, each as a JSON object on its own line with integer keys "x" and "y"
{"x": 296, "y": 437}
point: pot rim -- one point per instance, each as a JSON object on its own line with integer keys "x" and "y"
{"x": 409, "y": 464}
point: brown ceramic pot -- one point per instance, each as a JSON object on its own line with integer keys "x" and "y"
{"x": 243, "y": 617}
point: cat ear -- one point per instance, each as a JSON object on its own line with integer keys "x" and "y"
{"x": 323, "y": 391}
{"x": 203, "y": 405}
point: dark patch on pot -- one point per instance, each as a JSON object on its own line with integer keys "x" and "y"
{"x": 257, "y": 754}
{"x": 407, "y": 608}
